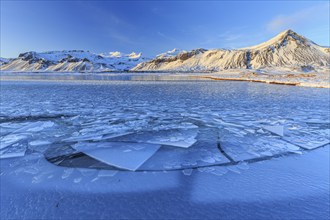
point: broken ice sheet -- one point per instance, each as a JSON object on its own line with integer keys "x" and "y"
{"x": 11, "y": 139}
{"x": 308, "y": 137}
{"x": 204, "y": 152}
{"x": 177, "y": 137}
{"x": 13, "y": 151}
{"x": 85, "y": 137}
{"x": 39, "y": 142}
{"x": 39, "y": 145}
{"x": 96, "y": 134}
{"x": 253, "y": 145}
{"x": 129, "y": 156}
{"x": 167, "y": 124}
{"x": 39, "y": 126}
{"x": 35, "y": 126}
{"x": 276, "y": 129}
{"x": 308, "y": 142}
{"x": 23, "y": 132}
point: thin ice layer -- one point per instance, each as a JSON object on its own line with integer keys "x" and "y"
{"x": 129, "y": 156}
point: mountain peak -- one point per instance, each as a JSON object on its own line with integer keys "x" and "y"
{"x": 287, "y": 32}
{"x": 282, "y": 39}
{"x": 287, "y": 49}
{"x": 170, "y": 53}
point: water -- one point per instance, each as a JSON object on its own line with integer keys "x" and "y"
{"x": 183, "y": 124}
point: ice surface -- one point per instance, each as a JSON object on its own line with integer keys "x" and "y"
{"x": 105, "y": 174}
{"x": 308, "y": 142}
{"x": 39, "y": 145}
{"x": 187, "y": 172}
{"x": 243, "y": 166}
{"x": 309, "y": 135}
{"x": 23, "y": 132}
{"x": 10, "y": 139}
{"x": 193, "y": 123}
{"x": 177, "y": 137}
{"x": 35, "y": 126}
{"x": 14, "y": 151}
{"x": 40, "y": 126}
{"x": 253, "y": 145}
{"x": 278, "y": 130}
{"x": 67, "y": 172}
{"x": 121, "y": 155}
{"x": 39, "y": 142}
{"x": 204, "y": 152}
{"x": 234, "y": 169}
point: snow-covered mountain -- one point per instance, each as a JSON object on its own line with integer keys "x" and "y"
{"x": 73, "y": 60}
{"x": 3, "y": 61}
{"x": 288, "y": 49}
{"x": 170, "y": 53}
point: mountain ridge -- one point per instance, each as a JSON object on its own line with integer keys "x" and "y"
{"x": 287, "y": 49}
{"x": 72, "y": 61}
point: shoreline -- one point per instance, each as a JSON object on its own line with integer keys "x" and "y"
{"x": 301, "y": 84}
{"x": 315, "y": 80}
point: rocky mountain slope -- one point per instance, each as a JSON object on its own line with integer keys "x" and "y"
{"x": 3, "y": 61}
{"x": 170, "y": 53}
{"x": 286, "y": 50}
{"x": 73, "y": 61}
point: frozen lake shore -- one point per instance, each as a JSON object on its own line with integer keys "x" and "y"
{"x": 320, "y": 79}
{"x": 196, "y": 148}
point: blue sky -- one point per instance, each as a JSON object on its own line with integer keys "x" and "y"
{"x": 152, "y": 27}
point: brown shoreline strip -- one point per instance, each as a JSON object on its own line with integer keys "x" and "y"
{"x": 247, "y": 80}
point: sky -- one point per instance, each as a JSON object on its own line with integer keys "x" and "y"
{"x": 152, "y": 27}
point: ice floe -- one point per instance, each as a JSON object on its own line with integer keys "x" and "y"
{"x": 116, "y": 154}
{"x": 14, "y": 151}
{"x": 183, "y": 138}
{"x": 278, "y": 129}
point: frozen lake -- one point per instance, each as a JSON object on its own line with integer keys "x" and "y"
{"x": 163, "y": 128}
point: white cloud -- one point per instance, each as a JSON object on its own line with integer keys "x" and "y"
{"x": 308, "y": 16}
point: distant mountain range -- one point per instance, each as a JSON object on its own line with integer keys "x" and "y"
{"x": 288, "y": 50}
{"x": 72, "y": 61}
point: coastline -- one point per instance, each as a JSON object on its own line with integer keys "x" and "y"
{"x": 309, "y": 79}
